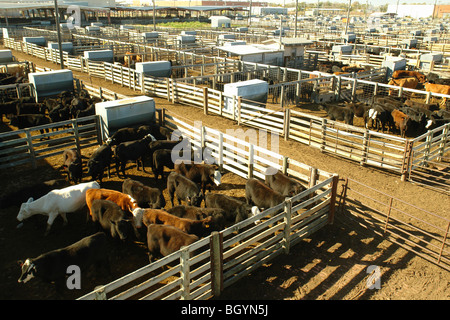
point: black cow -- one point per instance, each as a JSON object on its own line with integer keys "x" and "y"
{"x": 100, "y": 159}
{"x": 111, "y": 218}
{"x": 161, "y": 158}
{"x": 130, "y": 134}
{"x": 184, "y": 189}
{"x": 53, "y": 266}
{"x": 30, "y": 120}
{"x": 135, "y": 150}
{"x": 73, "y": 164}
{"x": 338, "y": 113}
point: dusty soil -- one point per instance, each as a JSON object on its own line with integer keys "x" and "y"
{"x": 331, "y": 264}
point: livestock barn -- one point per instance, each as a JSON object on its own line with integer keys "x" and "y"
{"x": 292, "y": 94}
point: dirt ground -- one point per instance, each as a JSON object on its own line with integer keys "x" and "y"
{"x": 331, "y": 264}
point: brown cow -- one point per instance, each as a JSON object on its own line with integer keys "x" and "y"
{"x": 404, "y": 83}
{"x": 400, "y": 74}
{"x": 400, "y": 121}
{"x": 438, "y": 88}
{"x": 195, "y": 213}
{"x": 283, "y": 184}
{"x": 156, "y": 216}
{"x": 203, "y": 174}
{"x": 261, "y": 195}
{"x": 163, "y": 240}
{"x": 145, "y": 196}
{"x": 124, "y": 201}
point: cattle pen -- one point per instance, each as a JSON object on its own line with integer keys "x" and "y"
{"x": 215, "y": 262}
{"x": 306, "y": 174}
{"x": 419, "y": 160}
{"x": 203, "y": 269}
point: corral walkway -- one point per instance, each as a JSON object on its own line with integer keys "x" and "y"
{"x": 341, "y": 246}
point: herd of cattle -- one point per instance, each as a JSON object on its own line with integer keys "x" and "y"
{"x": 395, "y": 114}
{"x": 122, "y": 214}
{"x": 25, "y": 112}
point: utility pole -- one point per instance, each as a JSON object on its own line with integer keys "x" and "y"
{"x": 296, "y": 18}
{"x": 249, "y": 14}
{"x": 154, "y": 14}
{"x": 348, "y": 16}
{"x": 58, "y": 29}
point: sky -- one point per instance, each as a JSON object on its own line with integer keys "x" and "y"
{"x": 372, "y": 2}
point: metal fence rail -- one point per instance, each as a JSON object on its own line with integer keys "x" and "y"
{"x": 415, "y": 229}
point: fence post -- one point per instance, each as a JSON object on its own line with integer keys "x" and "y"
{"x": 185, "y": 274}
{"x": 76, "y": 134}
{"x": 287, "y": 228}
{"x": 407, "y": 157}
{"x": 355, "y": 84}
{"x": 100, "y": 293}
{"x": 285, "y": 164}
{"x": 445, "y": 133}
{"x": 168, "y": 88}
{"x": 220, "y": 152}
{"x": 287, "y": 124}
{"x": 250, "y": 161}
{"x": 337, "y": 92}
{"x": 239, "y": 106}
{"x": 334, "y": 185}
{"x": 323, "y": 137}
{"x": 205, "y": 101}
{"x": 31, "y": 149}
{"x": 427, "y": 149}
{"x": 365, "y": 148}
{"x": 216, "y": 258}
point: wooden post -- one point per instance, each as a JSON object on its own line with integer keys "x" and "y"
{"x": 216, "y": 256}
{"x": 185, "y": 274}
{"x": 76, "y": 134}
{"x": 445, "y": 133}
{"x": 100, "y": 293}
{"x": 285, "y": 164}
{"x": 287, "y": 227}
{"x": 334, "y": 185}
{"x": 168, "y": 88}
{"x": 407, "y": 157}
{"x": 287, "y": 123}
{"x": 355, "y": 84}
{"x": 31, "y": 149}
{"x": 220, "y": 103}
{"x": 250, "y": 161}
{"x": 428, "y": 99}
{"x": 312, "y": 177}
{"x": 205, "y": 101}
{"x": 239, "y": 105}
{"x": 324, "y": 134}
{"x": 365, "y": 148}
{"x": 220, "y": 160}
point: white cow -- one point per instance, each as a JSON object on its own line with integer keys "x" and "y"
{"x": 57, "y": 202}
